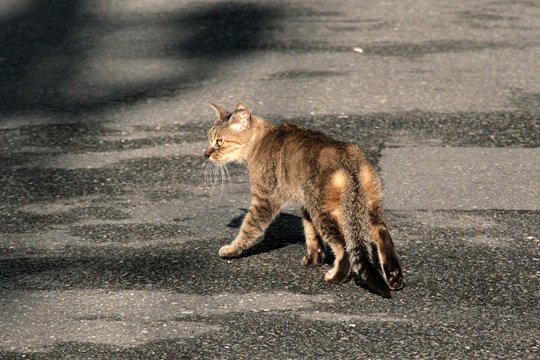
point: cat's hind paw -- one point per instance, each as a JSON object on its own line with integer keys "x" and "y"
{"x": 336, "y": 277}
{"x": 395, "y": 280}
{"x": 394, "y": 274}
{"x": 313, "y": 258}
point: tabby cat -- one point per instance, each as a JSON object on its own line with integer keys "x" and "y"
{"x": 337, "y": 189}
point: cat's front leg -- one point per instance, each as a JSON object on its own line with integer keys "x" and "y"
{"x": 259, "y": 216}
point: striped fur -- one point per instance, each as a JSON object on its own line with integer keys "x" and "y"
{"x": 338, "y": 190}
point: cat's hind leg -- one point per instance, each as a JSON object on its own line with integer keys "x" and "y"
{"x": 388, "y": 256}
{"x": 329, "y": 229}
{"x": 261, "y": 213}
{"x": 314, "y": 250}
{"x": 378, "y": 230}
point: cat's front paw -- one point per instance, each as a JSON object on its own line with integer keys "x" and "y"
{"x": 229, "y": 251}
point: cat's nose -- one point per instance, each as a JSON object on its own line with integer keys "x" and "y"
{"x": 207, "y": 152}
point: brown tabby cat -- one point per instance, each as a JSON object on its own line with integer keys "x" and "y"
{"x": 338, "y": 190}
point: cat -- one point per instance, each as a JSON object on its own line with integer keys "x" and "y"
{"x": 338, "y": 190}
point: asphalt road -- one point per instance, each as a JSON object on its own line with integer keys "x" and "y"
{"x": 109, "y": 230}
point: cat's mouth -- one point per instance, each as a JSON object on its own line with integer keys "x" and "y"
{"x": 216, "y": 159}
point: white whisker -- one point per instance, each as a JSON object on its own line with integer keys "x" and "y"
{"x": 214, "y": 176}
{"x": 222, "y": 176}
{"x": 212, "y": 173}
{"x": 228, "y": 174}
{"x": 208, "y": 173}
{"x": 205, "y": 173}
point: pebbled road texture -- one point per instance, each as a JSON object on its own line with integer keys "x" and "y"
{"x": 109, "y": 226}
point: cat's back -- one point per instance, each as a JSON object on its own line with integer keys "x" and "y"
{"x": 293, "y": 133}
{"x": 316, "y": 142}
{"x": 298, "y": 145}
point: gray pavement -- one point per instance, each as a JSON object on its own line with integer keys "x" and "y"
{"x": 109, "y": 232}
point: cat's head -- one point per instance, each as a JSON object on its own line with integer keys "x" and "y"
{"x": 230, "y": 135}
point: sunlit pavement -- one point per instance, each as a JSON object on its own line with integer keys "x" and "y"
{"x": 110, "y": 227}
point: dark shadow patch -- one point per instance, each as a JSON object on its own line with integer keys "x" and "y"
{"x": 483, "y": 274}
{"x": 527, "y": 100}
{"x": 358, "y": 282}
{"x": 198, "y": 130}
{"x": 26, "y": 185}
{"x": 285, "y": 230}
{"x": 166, "y": 194}
{"x": 485, "y": 16}
{"x": 236, "y": 222}
{"x": 345, "y": 28}
{"x": 409, "y": 51}
{"x": 100, "y": 317}
{"x": 132, "y": 233}
{"x": 33, "y": 185}
{"x": 302, "y": 47}
{"x": 314, "y": 13}
{"x": 418, "y": 50}
{"x": 26, "y": 141}
{"x": 359, "y": 26}
{"x": 74, "y": 137}
{"x": 439, "y": 265}
{"x": 304, "y": 74}
{"x": 44, "y": 45}
{"x": 517, "y": 222}
{"x": 372, "y": 131}
{"x": 19, "y": 222}
{"x": 44, "y": 30}
{"x": 21, "y": 185}
{"x": 227, "y": 30}
{"x": 498, "y": 15}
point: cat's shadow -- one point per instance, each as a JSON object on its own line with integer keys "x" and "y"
{"x": 285, "y": 230}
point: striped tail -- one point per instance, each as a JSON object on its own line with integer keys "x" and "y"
{"x": 362, "y": 249}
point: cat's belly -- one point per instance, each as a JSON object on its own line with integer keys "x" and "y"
{"x": 291, "y": 197}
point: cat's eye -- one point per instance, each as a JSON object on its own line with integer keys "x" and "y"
{"x": 219, "y": 142}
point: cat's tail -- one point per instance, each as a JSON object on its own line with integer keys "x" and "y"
{"x": 361, "y": 248}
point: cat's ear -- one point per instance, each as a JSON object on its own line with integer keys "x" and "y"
{"x": 221, "y": 113}
{"x": 241, "y": 117}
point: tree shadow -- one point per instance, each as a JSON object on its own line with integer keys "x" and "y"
{"x": 48, "y": 44}
{"x": 285, "y": 230}
{"x": 49, "y": 51}
{"x": 29, "y": 37}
